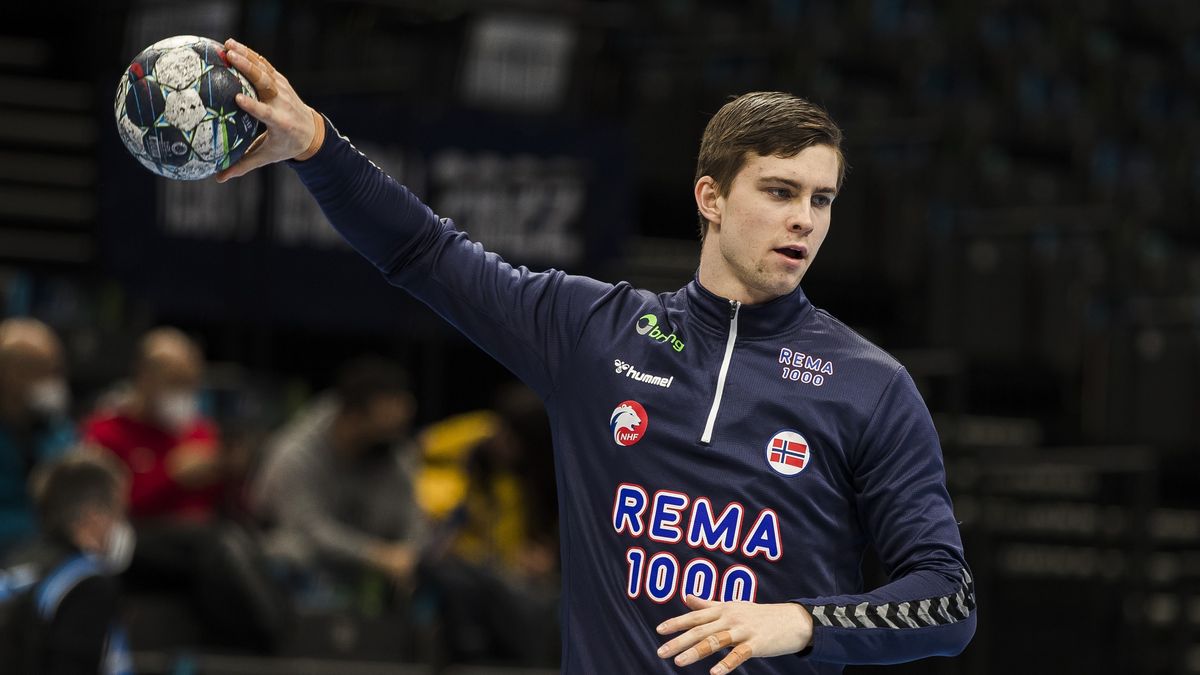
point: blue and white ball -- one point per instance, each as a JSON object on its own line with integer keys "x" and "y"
{"x": 176, "y": 112}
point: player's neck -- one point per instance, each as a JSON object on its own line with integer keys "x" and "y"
{"x": 716, "y": 276}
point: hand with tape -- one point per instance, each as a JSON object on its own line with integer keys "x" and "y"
{"x": 294, "y": 130}
{"x": 749, "y": 630}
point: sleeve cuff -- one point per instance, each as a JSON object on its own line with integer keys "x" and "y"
{"x": 314, "y": 157}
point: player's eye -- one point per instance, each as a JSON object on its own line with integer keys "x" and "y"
{"x": 780, "y": 193}
{"x": 822, "y": 200}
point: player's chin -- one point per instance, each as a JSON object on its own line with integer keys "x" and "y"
{"x": 790, "y": 276}
{"x": 780, "y": 285}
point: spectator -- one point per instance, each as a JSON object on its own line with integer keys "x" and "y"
{"x": 336, "y": 486}
{"x": 156, "y": 429}
{"x": 507, "y": 515}
{"x": 58, "y": 600}
{"x": 177, "y": 471}
{"x": 33, "y": 419}
{"x": 501, "y": 540}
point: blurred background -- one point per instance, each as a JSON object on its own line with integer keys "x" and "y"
{"x": 1018, "y": 227}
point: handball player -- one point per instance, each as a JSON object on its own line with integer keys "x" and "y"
{"x": 725, "y": 453}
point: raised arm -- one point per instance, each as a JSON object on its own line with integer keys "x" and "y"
{"x": 528, "y": 321}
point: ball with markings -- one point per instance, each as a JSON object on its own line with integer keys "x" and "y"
{"x": 176, "y": 112}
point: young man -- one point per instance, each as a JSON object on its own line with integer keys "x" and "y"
{"x": 728, "y": 446}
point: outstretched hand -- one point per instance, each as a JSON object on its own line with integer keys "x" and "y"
{"x": 751, "y": 629}
{"x": 294, "y": 130}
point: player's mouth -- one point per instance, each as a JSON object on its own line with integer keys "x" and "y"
{"x": 794, "y": 252}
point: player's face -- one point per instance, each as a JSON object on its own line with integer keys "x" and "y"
{"x": 764, "y": 234}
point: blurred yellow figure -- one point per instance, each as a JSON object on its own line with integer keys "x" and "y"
{"x": 487, "y": 481}
{"x": 442, "y": 483}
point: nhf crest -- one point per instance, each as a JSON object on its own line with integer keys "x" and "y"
{"x": 788, "y": 453}
{"x": 628, "y": 423}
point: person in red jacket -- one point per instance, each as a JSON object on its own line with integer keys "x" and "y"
{"x": 177, "y": 479}
{"x": 156, "y": 429}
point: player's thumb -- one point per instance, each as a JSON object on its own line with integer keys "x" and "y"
{"x": 250, "y": 160}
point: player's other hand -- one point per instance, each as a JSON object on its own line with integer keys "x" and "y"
{"x": 294, "y": 130}
{"x": 750, "y": 629}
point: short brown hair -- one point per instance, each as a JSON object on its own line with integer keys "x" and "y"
{"x": 768, "y": 123}
{"x": 65, "y": 487}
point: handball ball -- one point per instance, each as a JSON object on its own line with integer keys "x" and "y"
{"x": 176, "y": 112}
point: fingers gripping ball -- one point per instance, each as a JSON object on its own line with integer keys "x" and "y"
{"x": 176, "y": 112}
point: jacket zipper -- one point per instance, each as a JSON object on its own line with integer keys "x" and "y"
{"x": 734, "y": 306}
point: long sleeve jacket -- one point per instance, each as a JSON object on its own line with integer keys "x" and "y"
{"x": 735, "y": 452}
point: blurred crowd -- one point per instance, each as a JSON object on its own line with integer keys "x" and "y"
{"x": 344, "y": 509}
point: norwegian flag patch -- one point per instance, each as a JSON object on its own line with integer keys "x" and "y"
{"x": 788, "y": 453}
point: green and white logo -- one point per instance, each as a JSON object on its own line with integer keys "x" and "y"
{"x": 647, "y": 325}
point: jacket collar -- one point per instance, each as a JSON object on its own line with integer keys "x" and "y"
{"x": 765, "y": 319}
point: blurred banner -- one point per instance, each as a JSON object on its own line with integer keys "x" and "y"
{"x": 542, "y": 193}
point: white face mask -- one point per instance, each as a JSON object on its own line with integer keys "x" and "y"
{"x": 118, "y": 548}
{"x": 49, "y": 397}
{"x": 178, "y": 410}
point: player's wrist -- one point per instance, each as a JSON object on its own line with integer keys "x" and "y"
{"x": 318, "y": 138}
{"x": 804, "y": 627}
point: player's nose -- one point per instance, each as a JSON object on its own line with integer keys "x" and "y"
{"x": 800, "y": 219}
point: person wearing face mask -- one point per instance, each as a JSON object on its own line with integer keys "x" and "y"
{"x": 177, "y": 481}
{"x": 34, "y": 426}
{"x": 157, "y": 430}
{"x": 58, "y": 597}
{"x": 336, "y": 488}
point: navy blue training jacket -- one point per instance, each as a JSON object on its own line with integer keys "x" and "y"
{"x": 735, "y": 452}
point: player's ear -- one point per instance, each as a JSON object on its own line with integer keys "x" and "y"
{"x": 707, "y": 196}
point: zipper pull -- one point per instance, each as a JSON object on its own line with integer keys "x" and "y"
{"x": 733, "y": 308}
